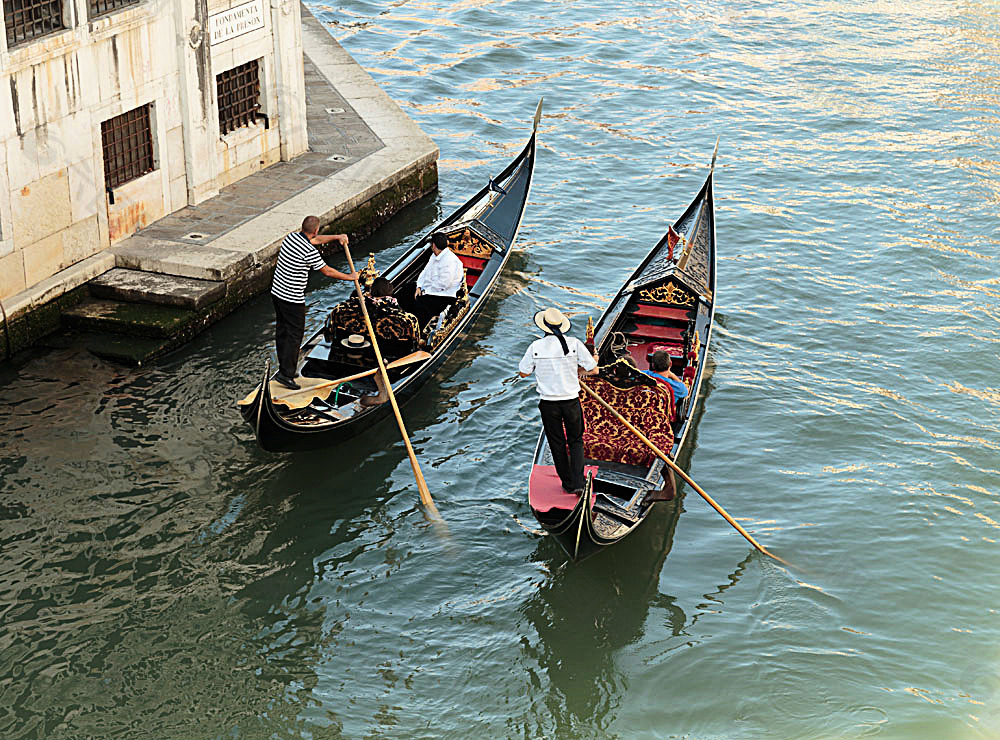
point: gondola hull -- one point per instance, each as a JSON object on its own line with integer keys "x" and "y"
{"x": 662, "y": 295}
{"x": 488, "y": 223}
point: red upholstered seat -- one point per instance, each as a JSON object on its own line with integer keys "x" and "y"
{"x": 647, "y": 407}
{"x": 473, "y": 263}
{"x": 658, "y": 332}
{"x": 471, "y": 278}
{"x": 661, "y": 312}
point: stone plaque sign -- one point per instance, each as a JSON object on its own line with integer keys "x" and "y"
{"x": 236, "y": 21}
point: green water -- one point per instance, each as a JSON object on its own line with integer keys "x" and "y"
{"x": 162, "y": 577}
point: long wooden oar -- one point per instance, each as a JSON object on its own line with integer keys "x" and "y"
{"x": 660, "y": 454}
{"x": 425, "y": 495}
{"x": 302, "y": 398}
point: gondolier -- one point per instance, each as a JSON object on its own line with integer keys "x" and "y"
{"x": 296, "y": 257}
{"x": 555, "y": 359}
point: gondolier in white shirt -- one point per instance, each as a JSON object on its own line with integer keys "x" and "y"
{"x": 296, "y": 257}
{"x": 555, "y": 360}
{"x": 439, "y": 281}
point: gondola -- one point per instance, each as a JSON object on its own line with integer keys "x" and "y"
{"x": 667, "y": 304}
{"x": 337, "y": 380}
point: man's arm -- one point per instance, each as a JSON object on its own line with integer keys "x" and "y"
{"x": 327, "y": 238}
{"x": 330, "y": 272}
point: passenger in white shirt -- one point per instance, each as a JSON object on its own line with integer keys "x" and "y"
{"x": 439, "y": 281}
{"x": 555, "y": 359}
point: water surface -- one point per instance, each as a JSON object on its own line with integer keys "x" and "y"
{"x": 162, "y": 577}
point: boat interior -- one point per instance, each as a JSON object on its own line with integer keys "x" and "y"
{"x": 329, "y": 360}
{"x": 664, "y": 315}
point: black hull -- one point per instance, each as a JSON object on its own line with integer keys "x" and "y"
{"x": 497, "y": 212}
{"x": 274, "y": 434}
{"x": 585, "y": 530}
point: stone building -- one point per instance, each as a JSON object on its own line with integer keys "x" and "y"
{"x": 115, "y": 113}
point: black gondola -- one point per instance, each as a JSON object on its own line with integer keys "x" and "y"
{"x": 667, "y": 304}
{"x": 335, "y": 377}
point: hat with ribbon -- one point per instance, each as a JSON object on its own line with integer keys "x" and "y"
{"x": 553, "y": 321}
{"x": 355, "y": 341}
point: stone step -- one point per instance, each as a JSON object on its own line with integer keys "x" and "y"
{"x": 150, "y": 287}
{"x": 132, "y": 319}
{"x": 185, "y": 260}
{"x": 117, "y": 348}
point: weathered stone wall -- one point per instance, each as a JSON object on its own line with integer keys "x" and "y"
{"x": 56, "y": 90}
{"x": 27, "y": 327}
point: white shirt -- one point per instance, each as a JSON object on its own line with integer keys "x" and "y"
{"x": 555, "y": 373}
{"x": 442, "y": 275}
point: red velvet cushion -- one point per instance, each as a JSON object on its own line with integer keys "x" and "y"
{"x": 648, "y": 408}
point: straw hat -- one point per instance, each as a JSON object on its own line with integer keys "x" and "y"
{"x": 552, "y": 317}
{"x": 355, "y": 341}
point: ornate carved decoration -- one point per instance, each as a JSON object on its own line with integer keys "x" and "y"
{"x": 669, "y": 293}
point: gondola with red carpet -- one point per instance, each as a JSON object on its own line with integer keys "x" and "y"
{"x": 668, "y": 304}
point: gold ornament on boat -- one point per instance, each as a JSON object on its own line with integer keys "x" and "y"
{"x": 368, "y": 272}
{"x": 668, "y": 293}
{"x": 469, "y": 244}
{"x": 589, "y": 342}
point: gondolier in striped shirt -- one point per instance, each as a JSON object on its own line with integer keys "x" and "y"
{"x": 555, "y": 360}
{"x": 296, "y": 257}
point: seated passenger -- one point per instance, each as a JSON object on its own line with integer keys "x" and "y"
{"x": 381, "y": 292}
{"x": 439, "y": 282}
{"x": 660, "y": 371}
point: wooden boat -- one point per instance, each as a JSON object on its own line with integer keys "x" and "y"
{"x": 667, "y": 304}
{"x": 334, "y": 378}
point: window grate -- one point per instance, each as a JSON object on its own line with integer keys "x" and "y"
{"x": 238, "y": 90}
{"x": 127, "y": 142}
{"x": 103, "y": 7}
{"x": 28, "y": 19}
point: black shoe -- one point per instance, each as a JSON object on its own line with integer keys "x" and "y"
{"x": 573, "y": 491}
{"x": 286, "y": 381}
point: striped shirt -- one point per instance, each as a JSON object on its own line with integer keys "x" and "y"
{"x": 295, "y": 258}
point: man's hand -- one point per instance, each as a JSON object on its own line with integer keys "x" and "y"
{"x": 417, "y": 293}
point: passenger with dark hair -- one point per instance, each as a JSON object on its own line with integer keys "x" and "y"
{"x": 660, "y": 371}
{"x": 438, "y": 284}
{"x": 381, "y": 292}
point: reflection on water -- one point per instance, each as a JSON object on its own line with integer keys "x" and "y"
{"x": 159, "y": 573}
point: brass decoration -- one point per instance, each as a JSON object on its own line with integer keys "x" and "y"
{"x": 589, "y": 342}
{"x": 668, "y": 293}
{"x": 468, "y": 243}
{"x": 368, "y": 272}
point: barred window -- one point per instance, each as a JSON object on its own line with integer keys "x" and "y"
{"x": 238, "y": 90}
{"x": 103, "y": 7}
{"x": 127, "y": 141}
{"x": 28, "y": 19}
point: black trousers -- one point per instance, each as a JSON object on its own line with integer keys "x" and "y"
{"x": 427, "y": 306}
{"x": 563, "y": 424}
{"x": 289, "y": 327}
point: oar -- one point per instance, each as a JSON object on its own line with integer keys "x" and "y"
{"x": 305, "y": 395}
{"x": 425, "y": 495}
{"x": 660, "y": 454}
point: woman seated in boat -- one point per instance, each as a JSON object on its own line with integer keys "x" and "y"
{"x": 659, "y": 370}
{"x": 381, "y": 292}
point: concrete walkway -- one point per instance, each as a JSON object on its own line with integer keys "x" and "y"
{"x": 367, "y": 159}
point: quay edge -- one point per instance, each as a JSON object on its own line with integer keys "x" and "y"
{"x": 396, "y": 166}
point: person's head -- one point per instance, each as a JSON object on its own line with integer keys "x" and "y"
{"x": 660, "y": 361}
{"x": 438, "y": 242}
{"x": 310, "y": 226}
{"x": 381, "y": 288}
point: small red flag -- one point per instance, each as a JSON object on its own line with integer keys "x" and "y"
{"x": 672, "y": 238}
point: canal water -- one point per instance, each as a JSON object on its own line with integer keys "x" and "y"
{"x": 162, "y": 577}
